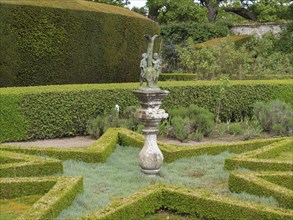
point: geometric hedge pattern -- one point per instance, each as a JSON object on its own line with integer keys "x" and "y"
{"x": 257, "y": 155}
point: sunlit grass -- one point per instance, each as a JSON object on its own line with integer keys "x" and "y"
{"x": 120, "y": 176}
{"x": 12, "y": 208}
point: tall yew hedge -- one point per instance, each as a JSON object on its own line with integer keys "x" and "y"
{"x": 65, "y": 42}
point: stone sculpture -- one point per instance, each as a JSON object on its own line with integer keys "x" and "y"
{"x": 150, "y": 65}
{"x": 150, "y": 97}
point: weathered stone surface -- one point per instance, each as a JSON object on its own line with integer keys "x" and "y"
{"x": 150, "y": 157}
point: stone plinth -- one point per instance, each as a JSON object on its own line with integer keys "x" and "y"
{"x": 150, "y": 157}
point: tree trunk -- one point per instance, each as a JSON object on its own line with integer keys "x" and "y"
{"x": 212, "y": 12}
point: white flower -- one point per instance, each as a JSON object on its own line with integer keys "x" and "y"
{"x": 117, "y": 107}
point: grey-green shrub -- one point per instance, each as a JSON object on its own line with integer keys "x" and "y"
{"x": 186, "y": 121}
{"x": 98, "y": 125}
{"x": 275, "y": 117}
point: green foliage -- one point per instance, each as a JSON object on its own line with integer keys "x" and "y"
{"x": 147, "y": 201}
{"x": 257, "y": 184}
{"x": 196, "y": 76}
{"x": 273, "y": 10}
{"x": 198, "y": 32}
{"x": 235, "y": 129}
{"x": 114, "y": 119}
{"x": 48, "y": 43}
{"x": 19, "y": 165}
{"x": 164, "y": 11}
{"x": 97, "y": 126}
{"x": 112, "y": 2}
{"x": 13, "y": 124}
{"x": 59, "y": 111}
{"x": 186, "y": 121}
{"x": 275, "y": 117}
{"x": 98, "y": 151}
{"x": 255, "y": 199}
{"x": 224, "y": 56}
{"x": 59, "y": 193}
{"x": 263, "y": 158}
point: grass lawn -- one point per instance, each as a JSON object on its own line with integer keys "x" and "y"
{"x": 12, "y": 208}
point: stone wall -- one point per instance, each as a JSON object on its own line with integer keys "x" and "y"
{"x": 257, "y": 29}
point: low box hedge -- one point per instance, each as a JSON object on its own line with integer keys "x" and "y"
{"x": 173, "y": 152}
{"x": 21, "y": 165}
{"x": 98, "y": 151}
{"x": 185, "y": 201}
{"x": 59, "y": 193}
{"x": 102, "y": 148}
{"x": 255, "y": 183}
{"x": 58, "y": 111}
{"x": 261, "y": 159}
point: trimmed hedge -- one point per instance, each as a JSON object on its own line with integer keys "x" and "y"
{"x": 195, "y": 76}
{"x": 260, "y": 159}
{"x": 173, "y": 152}
{"x": 60, "y": 192}
{"x": 185, "y": 201}
{"x": 63, "y": 42}
{"x": 239, "y": 40}
{"x": 58, "y": 111}
{"x": 20, "y": 165}
{"x": 145, "y": 201}
{"x": 255, "y": 183}
{"x": 101, "y": 149}
{"x": 98, "y": 151}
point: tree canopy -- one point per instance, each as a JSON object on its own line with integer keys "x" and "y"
{"x": 165, "y": 11}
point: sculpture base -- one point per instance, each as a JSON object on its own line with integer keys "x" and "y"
{"x": 150, "y": 157}
{"x": 150, "y": 172}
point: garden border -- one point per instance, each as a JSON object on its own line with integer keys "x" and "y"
{"x": 185, "y": 201}
{"x": 254, "y": 183}
{"x": 259, "y": 159}
{"x": 102, "y": 148}
{"x": 59, "y": 194}
{"x": 20, "y": 165}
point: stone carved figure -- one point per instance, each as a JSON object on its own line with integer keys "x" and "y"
{"x": 143, "y": 68}
{"x": 150, "y": 65}
{"x": 157, "y": 67}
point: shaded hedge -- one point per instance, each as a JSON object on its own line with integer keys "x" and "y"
{"x": 70, "y": 42}
{"x": 58, "y": 111}
{"x": 197, "y": 76}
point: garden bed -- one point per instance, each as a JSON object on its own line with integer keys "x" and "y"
{"x": 115, "y": 189}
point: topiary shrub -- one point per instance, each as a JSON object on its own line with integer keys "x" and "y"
{"x": 66, "y": 42}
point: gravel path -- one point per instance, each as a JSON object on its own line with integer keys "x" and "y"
{"x": 80, "y": 141}
{"x": 84, "y": 141}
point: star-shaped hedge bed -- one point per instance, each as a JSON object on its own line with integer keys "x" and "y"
{"x": 258, "y": 154}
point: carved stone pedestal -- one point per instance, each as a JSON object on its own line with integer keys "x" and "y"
{"x": 150, "y": 157}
